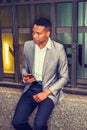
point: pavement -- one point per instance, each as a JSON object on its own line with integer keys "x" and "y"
{"x": 69, "y": 114}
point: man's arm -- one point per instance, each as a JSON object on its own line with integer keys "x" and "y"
{"x": 62, "y": 73}
{"x": 42, "y": 95}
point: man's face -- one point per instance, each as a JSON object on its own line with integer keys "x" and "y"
{"x": 40, "y": 34}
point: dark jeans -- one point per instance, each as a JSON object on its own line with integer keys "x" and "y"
{"x": 26, "y": 106}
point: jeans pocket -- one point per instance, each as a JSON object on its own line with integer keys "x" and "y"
{"x": 34, "y": 88}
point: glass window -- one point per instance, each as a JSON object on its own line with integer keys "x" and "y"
{"x": 85, "y": 49}
{"x": 6, "y": 16}
{"x": 82, "y": 38}
{"x": 64, "y": 20}
{"x": 80, "y": 14}
{"x": 22, "y": 38}
{"x": 64, "y": 38}
{"x": 64, "y": 23}
{"x": 42, "y": 10}
{"x": 79, "y": 56}
{"x": 85, "y": 13}
{"x": 64, "y": 14}
{"x": 8, "y": 53}
{"x": 82, "y": 8}
{"x": 23, "y": 16}
{"x": 85, "y": 55}
{"x": 82, "y": 72}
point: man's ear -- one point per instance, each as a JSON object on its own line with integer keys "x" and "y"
{"x": 48, "y": 33}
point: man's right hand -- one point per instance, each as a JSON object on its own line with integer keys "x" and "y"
{"x": 28, "y": 78}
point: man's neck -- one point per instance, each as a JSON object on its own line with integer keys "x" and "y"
{"x": 43, "y": 44}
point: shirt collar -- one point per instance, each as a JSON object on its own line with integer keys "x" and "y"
{"x": 48, "y": 45}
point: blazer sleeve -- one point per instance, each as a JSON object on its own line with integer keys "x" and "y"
{"x": 62, "y": 72}
{"x": 25, "y": 67}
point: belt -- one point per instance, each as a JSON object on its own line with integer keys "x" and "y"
{"x": 37, "y": 82}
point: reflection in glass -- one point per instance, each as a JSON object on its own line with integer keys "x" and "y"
{"x": 79, "y": 57}
{"x": 85, "y": 13}
{"x": 80, "y": 14}
{"x": 85, "y": 55}
{"x": 85, "y": 49}
{"x": 8, "y": 53}
{"x": 22, "y": 38}
{"x": 64, "y": 38}
{"x": 64, "y": 14}
{"x": 82, "y": 72}
{"x": 6, "y": 16}
{"x": 82, "y": 6}
{"x": 42, "y": 10}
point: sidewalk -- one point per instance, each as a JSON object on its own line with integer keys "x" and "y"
{"x": 70, "y": 114}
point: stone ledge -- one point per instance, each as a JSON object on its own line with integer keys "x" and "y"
{"x": 70, "y": 114}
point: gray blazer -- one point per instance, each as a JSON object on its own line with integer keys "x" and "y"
{"x": 55, "y": 68}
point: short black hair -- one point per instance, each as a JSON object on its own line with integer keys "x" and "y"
{"x": 43, "y": 22}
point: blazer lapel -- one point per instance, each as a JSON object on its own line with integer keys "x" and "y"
{"x": 46, "y": 61}
{"x": 32, "y": 58}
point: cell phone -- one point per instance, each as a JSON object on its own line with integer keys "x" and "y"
{"x": 29, "y": 75}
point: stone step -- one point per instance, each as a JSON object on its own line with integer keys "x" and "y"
{"x": 69, "y": 114}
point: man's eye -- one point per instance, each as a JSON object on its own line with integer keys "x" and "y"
{"x": 38, "y": 33}
{"x": 32, "y": 32}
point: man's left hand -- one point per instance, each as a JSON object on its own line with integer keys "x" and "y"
{"x": 42, "y": 95}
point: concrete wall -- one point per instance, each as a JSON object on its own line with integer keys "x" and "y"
{"x": 70, "y": 114}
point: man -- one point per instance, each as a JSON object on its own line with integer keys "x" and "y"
{"x": 45, "y": 72}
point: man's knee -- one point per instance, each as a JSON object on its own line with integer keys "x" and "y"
{"x": 15, "y": 123}
{"x": 21, "y": 125}
{"x": 39, "y": 125}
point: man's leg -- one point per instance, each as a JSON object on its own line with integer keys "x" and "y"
{"x": 24, "y": 108}
{"x": 44, "y": 110}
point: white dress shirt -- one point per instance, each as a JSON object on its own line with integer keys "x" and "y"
{"x": 39, "y": 60}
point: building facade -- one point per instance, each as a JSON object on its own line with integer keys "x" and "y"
{"x": 69, "y": 27}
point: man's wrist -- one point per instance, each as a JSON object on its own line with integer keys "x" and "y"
{"x": 48, "y": 92}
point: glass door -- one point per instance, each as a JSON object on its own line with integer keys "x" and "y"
{"x": 64, "y": 29}
{"x": 7, "y": 49}
{"x": 82, "y": 43}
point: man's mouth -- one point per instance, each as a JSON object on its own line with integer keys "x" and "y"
{"x": 35, "y": 40}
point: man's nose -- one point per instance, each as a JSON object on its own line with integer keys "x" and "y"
{"x": 34, "y": 35}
